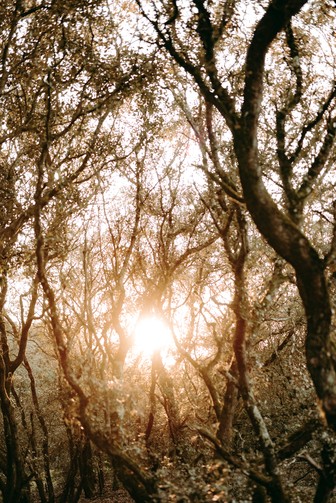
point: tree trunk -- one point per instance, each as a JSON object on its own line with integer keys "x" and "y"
{"x": 225, "y": 428}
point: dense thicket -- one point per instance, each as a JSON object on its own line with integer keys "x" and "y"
{"x": 169, "y": 161}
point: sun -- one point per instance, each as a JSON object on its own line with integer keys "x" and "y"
{"x": 151, "y": 335}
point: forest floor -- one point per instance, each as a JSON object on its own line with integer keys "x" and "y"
{"x": 119, "y": 496}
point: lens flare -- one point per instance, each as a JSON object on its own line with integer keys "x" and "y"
{"x": 152, "y": 334}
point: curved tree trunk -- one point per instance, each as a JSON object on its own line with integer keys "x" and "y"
{"x": 280, "y": 232}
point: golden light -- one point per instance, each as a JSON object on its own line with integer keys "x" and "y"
{"x": 152, "y": 334}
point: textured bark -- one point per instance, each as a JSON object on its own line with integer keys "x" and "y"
{"x": 298, "y": 440}
{"x": 225, "y": 429}
{"x": 45, "y": 434}
{"x": 16, "y": 488}
{"x": 166, "y": 386}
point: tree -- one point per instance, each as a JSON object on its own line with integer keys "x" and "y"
{"x": 298, "y": 173}
{"x": 54, "y": 103}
